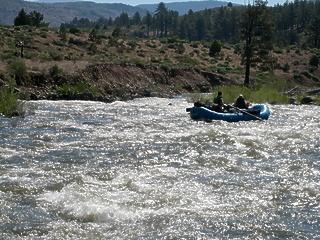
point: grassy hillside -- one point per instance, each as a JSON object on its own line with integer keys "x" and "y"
{"x": 105, "y": 65}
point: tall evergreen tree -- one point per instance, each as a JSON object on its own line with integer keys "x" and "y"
{"x": 136, "y": 19}
{"x": 22, "y": 19}
{"x": 256, "y": 33}
{"x": 312, "y": 32}
{"x": 148, "y": 20}
{"x": 161, "y": 18}
{"x": 63, "y": 32}
{"x": 93, "y": 35}
{"x": 36, "y": 18}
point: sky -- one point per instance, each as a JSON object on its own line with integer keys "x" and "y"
{"x": 137, "y": 2}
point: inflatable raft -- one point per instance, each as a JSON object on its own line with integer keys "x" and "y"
{"x": 256, "y": 112}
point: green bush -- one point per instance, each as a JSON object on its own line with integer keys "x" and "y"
{"x": 10, "y": 106}
{"x": 75, "y": 31}
{"x": 57, "y": 42}
{"x": 286, "y": 67}
{"x": 56, "y": 56}
{"x": 314, "y": 61}
{"x": 55, "y": 71}
{"x": 180, "y": 48}
{"x": 132, "y": 44}
{"x": 65, "y": 89}
{"x": 92, "y": 48}
{"x": 194, "y": 44}
{"x": 215, "y": 48}
{"x": 79, "y": 88}
{"x": 18, "y": 70}
{"x": 187, "y": 61}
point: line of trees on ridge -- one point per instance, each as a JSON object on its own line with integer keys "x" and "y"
{"x": 290, "y": 20}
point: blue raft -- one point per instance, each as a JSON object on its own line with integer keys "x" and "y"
{"x": 256, "y": 112}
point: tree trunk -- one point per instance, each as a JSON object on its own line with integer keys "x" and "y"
{"x": 248, "y": 65}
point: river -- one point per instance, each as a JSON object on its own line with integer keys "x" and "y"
{"x": 142, "y": 169}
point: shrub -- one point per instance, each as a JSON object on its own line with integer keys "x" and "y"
{"x": 173, "y": 39}
{"x": 79, "y": 88}
{"x": 187, "y": 61}
{"x": 18, "y": 70}
{"x": 155, "y": 60}
{"x": 8, "y": 54}
{"x": 151, "y": 45}
{"x": 65, "y": 89}
{"x": 10, "y": 105}
{"x": 307, "y": 74}
{"x": 286, "y": 67}
{"x": 92, "y": 48}
{"x": 75, "y": 31}
{"x": 57, "y": 42}
{"x": 163, "y": 49}
{"x": 180, "y": 48}
{"x": 56, "y": 56}
{"x": 77, "y": 42}
{"x": 113, "y": 41}
{"x": 45, "y": 57}
{"x": 215, "y": 48}
{"x": 30, "y": 55}
{"x": 132, "y": 44}
{"x": 194, "y": 44}
{"x": 314, "y": 61}
{"x": 278, "y": 50}
{"x": 55, "y": 71}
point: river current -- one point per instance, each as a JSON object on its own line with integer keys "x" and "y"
{"x": 142, "y": 169}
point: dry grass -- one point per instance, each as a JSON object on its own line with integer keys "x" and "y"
{"x": 44, "y": 49}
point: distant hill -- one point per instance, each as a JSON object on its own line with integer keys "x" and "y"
{"x": 60, "y": 12}
{"x": 54, "y": 1}
{"x": 184, "y": 7}
{"x": 64, "y": 11}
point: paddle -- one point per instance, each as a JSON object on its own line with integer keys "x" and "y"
{"x": 244, "y": 112}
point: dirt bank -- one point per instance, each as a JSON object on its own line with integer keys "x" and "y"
{"x": 123, "y": 82}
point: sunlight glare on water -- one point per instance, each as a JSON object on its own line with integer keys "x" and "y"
{"x": 142, "y": 169}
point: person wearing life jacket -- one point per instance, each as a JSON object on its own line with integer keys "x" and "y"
{"x": 241, "y": 103}
{"x": 218, "y": 103}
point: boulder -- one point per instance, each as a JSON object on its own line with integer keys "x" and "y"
{"x": 307, "y": 100}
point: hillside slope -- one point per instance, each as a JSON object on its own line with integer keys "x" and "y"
{"x": 128, "y": 68}
{"x": 184, "y": 7}
{"x": 57, "y": 13}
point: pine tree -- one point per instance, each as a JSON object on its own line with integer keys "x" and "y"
{"x": 136, "y": 19}
{"x": 63, "y": 33}
{"x": 36, "y": 18}
{"x": 22, "y": 19}
{"x": 312, "y": 32}
{"x": 215, "y": 48}
{"x": 93, "y": 35}
{"x": 256, "y": 32}
{"x": 148, "y": 20}
{"x": 161, "y": 19}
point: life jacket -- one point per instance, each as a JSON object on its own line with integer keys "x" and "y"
{"x": 240, "y": 103}
{"x": 218, "y": 100}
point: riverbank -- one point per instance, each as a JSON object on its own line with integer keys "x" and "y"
{"x": 45, "y": 67}
{"x": 112, "y": 82}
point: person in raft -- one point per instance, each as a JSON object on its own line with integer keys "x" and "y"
{"x": 241, "y": 103}
{"x": 218, "y": 104}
